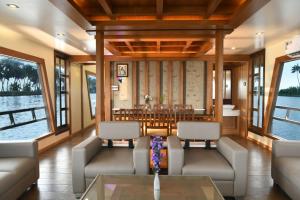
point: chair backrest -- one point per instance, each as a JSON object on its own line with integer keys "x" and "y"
{"x": 119, "y": 130}
{"x": 198, "y": 130}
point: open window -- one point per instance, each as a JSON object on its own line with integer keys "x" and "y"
{"x": 91, "y": 88}
{"x": 257, "y": 91}
{"x": 25, "y": 107}
{"x": 284, "y": 104}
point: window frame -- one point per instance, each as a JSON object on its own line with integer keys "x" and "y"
{"x": 66, "y": 126}
{"x": 88, "y": 73}
{"x": 43, "y": 81}
{"x": 273, "y": 94}
{"x": 257, "y": 129}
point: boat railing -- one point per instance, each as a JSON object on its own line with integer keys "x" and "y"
{"x": 286, "y": 117}
{"x": 12, "y": 119}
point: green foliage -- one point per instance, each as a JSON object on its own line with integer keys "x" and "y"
{"x": 296, "y": 70}
{"x": 291, "y": 91}
{"x": 17, "y": 76}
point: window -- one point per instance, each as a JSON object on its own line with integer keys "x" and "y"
{"x": 23, "y": 111}
{"x": 257, "y": 92}
{"x": 91, "y": 87}
{"x": 61, "y": 91}
{"x": 226, "y": 86}
{"x": 285, "y": 118}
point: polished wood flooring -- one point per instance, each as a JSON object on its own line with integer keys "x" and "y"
{"x": 55, "y": 180}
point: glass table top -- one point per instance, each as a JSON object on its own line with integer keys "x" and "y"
{"x": 134, "y": 187}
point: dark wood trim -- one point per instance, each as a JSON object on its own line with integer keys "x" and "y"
{"x": 81, "y": 92}
{"x": 44, "y": 79}
{"x": 83, "y": 59}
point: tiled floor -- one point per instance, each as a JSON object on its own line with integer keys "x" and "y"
{"x": 56, "y": 179}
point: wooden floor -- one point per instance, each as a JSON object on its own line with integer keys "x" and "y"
{"x": 56, "y": 179}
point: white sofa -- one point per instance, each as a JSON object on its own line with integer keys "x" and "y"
{"x": 226, "y": 165}
{"x": 19, "y": 168}
{"x": 286, "y": 166}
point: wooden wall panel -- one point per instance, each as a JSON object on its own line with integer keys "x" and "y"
{"x": 181, "y": 93}
{"x": 209, "y": 88}
{"x": 219, "y": 76}
{"x": 170, "y": 82}
{"x": 134, "y": 83}
{"x": 107, "y": 88}
{"x": 158, "y": 82}
{"x": 146, "y": 78}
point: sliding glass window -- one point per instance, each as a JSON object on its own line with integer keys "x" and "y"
{"x": 23, "y": 111}
{"x": 257, "y": 92}
{"x": 61, "y": 91}
{"x": 285, "y": 119}
{"x": 91, "y": 88}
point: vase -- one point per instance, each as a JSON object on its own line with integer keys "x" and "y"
{"x": 156, "y": 182}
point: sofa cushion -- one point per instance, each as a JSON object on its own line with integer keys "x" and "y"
{"x": 7, "y": 180}
{"x": 289, "y": 167}
{"x": 204, "y": 162}
{"x": 18, "y": 166}
{"x": 198, "y": 130}
{"x": 117, "y": 160}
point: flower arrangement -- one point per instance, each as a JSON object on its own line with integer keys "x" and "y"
{"x": 147, "y": 98}
{"x": 156, "y": 145}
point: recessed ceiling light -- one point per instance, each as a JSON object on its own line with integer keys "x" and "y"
{"x": 233, "y": 48}
{"x": 60, "y": 34}
{"x": 259, "y": 33}
{"x": 84, "y": 48}
{"x": 13, "y": 6}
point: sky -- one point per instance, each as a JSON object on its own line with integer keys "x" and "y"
{"x": 289, "y": 79}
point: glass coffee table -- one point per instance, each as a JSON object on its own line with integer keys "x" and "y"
{"x": 131, "y": 187}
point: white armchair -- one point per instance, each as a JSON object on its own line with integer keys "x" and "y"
{"x": 226, "y": 165}
{"x": 91, "y": 158}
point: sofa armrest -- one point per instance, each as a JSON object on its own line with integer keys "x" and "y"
{"x": 237, "y": 156}
{"x": 285, "y": 148}
{"x": 19, "y": 149}
{"x": 81, "y": 155}
{"x": 175, "y": 156}
{"x": 141, "y": 156}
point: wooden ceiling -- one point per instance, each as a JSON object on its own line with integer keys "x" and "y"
{"x": 159, "y": 26}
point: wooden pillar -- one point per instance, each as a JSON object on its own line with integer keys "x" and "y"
{"x": 99, "y": 79}
{"x": 107, "y": 95}
{"x": 134, "y": 83}
{"x": 209, "y": 88}
{"x": 219, "y": 51}
{"x": 170, "y": 83}
{"x": 158, "y": 82}
{"x": 146, "y": 78}
{"x": 181, "y": 83}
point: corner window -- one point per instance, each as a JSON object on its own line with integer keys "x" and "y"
{"x": 285, "y": 119}
{"x": 257, "y": 92}
{"x": 61, "y": 91}
{"x": 91, "y": 88}
{"x": 23, "y": 111}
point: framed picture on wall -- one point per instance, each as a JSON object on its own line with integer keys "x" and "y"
{"x": 122, "y": 70}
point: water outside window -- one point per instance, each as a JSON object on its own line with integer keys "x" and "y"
{"x": 20, "y": 88}
{"x": 286, "y": 117}
{"x": 91, "y": 83}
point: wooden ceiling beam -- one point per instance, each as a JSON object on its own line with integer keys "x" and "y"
{"x": 158, "y": 46}
{"x": 212, "y": 7}
{"x": 204, "y": 48}
{"x": 188, "y": 44}
{"x": 110, "y": 47}
{"x": 159, "y": 8}
{"x": 105, "y": 4}
{"x": 129, "y": 46}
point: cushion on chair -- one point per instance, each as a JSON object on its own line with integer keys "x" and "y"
{"x": 202, "y": 162}
{"x": 289, "y": 168}
{"x": 117, "y": 160}
{"x": 119, "y": 130}
{"x": 198, "y": 130}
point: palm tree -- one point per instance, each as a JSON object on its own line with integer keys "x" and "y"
{"x": 296, "y": 69}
